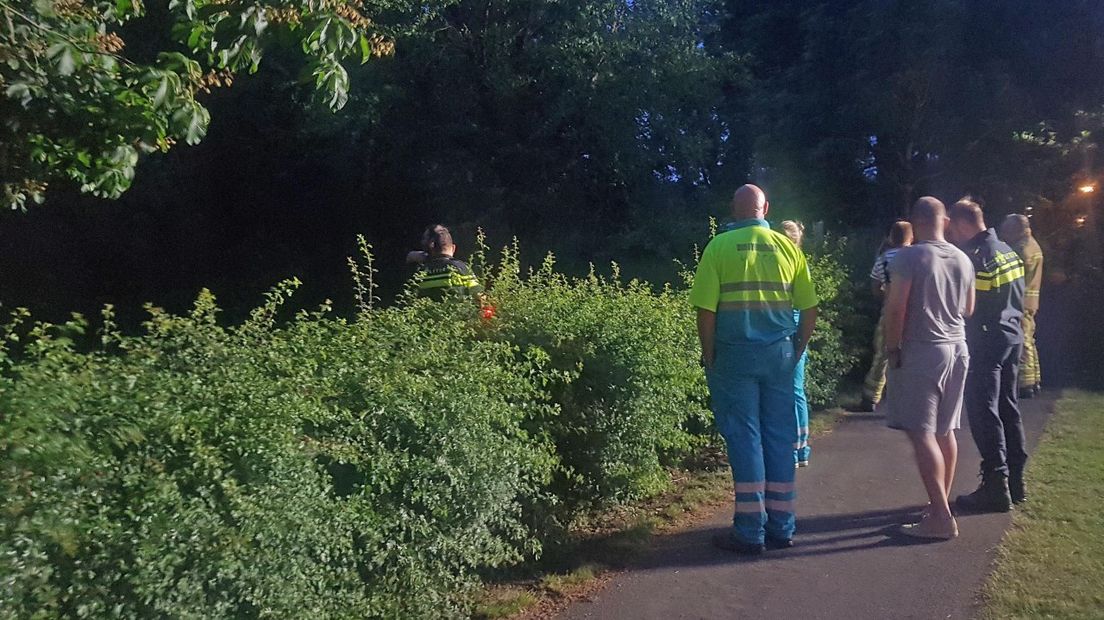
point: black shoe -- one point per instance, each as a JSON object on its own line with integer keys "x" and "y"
{"x": 866, "y": 405}
{"x": 724, "y": 541}
{"x": 779, "y": 543}
{"x": 991, "y": 496}
{"x": 1016, "y": 485}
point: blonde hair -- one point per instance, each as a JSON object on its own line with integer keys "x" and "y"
{"x": 794, "y": 230}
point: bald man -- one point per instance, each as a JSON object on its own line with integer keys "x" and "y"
{"x": 930, "y": 295}
{"x": 748, "y": 284}
{"x": 1016, "y": 232}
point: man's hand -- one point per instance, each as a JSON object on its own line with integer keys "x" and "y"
{"x": 894, "y": 358}
{"x": 707, "y": 327}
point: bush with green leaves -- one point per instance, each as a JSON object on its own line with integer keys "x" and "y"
{"x": 314, "y": 466}
{"x": 829, "y": 358}
{"x": 321, "y": 469}
{"x": 632, "y": 396}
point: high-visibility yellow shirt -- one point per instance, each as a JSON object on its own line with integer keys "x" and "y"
{"x": 753, "y": 278}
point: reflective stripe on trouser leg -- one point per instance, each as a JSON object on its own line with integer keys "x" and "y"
{"x": 801, "y": 408}
{"x": 875, "y": 380}
{"x": 779, "y": 436}
{"x": 735, "y": 400}
{"x": 1030, "y": 373}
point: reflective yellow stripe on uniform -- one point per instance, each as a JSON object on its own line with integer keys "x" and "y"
{"x": 987, "y": 281}
{"x": 1003, "y": 269}
{"x": 755, "y": 294}
{"x": 448, "y": 280}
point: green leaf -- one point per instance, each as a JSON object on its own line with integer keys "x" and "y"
{"x": 62, "y": 55}
{"x": 19, "y": 91}
{"x": 365, "y": 49}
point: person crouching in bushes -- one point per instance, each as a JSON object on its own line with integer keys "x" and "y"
{"x": 900, "y": 236}
{"x": 443, "y": 273}
{"x": 796, "y": 232}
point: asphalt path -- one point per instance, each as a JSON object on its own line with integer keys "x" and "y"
{"x": 847, "y": 562}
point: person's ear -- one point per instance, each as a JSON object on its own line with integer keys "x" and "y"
{"x": 766, "y": 207}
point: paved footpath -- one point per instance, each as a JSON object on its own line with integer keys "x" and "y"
{"x": 847, "y": 563}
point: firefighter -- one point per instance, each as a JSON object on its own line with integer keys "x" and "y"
{"x": 900, "y": 236}
{"x": 995, "y": 339}
{"x": 444, "y": 274}
{"x": 1016, "y": 232}
{"x": 748, "y": 283}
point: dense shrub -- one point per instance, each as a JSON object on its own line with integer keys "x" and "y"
{"x": 320, "y": 467}
{"x": 324, "y": 469}
{"x": 830, "y": 359}
{"x": 632, "y": 395}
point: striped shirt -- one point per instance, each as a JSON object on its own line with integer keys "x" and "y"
{"x": 880, "y": 272}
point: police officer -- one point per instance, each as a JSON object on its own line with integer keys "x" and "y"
{"x": 748, "y": 284}
{"x": 444, "y": 274}
{"x": 995, "y": 338}
{"x": 1016, "y": 232}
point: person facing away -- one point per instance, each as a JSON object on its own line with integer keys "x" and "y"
{"x": 796, "y": 232}
{"x": 443, "y": 274}
{"x": 1016, "y": 232}
{"x": 930, "y": 295}
{"x": 900, "y": 236}
{"x": 995, "y": 339}
{"x": 748, "y": 283}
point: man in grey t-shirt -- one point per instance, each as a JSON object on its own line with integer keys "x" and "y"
{"x": 930, "y": 295}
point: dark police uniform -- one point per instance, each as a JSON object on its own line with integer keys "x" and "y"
{"x": 446, "y": 276}
{"x": 994, "y": 335}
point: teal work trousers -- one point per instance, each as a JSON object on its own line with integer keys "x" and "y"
{"x": 752, "y": 393}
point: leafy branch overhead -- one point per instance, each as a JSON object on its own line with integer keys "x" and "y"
{"x": 77, "y": 106}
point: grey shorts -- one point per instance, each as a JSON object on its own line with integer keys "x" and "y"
{"x": 925, "y": 393}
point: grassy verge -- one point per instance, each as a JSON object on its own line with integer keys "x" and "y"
{"x": 1051, "y": 565}
{"x": 609, "y": 541}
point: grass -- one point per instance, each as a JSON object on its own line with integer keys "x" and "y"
{"x": 564, "y": 584}
{"x": 504, "y": 602}
{"x": 1051, "y": 564}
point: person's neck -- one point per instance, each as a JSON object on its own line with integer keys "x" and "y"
{"x": 740, "y": 217}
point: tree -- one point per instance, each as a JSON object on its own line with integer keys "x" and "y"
{"x": 535, "y": 114}
{"x": 90, "y": 85}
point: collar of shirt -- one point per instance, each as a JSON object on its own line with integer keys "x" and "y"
{"x": 731, "y": 226}
{"x": 982, "y": 238}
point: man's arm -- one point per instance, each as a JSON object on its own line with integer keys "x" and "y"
{"x": 971, "y": 302}
{"x": 895, "y": 306}
{"x": 805, "y": 329}
{"x": 707, "y": 331}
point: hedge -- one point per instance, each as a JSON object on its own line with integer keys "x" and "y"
{"x": 314, "y": 466}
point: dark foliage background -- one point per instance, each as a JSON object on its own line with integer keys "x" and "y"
{"x": 601, "y": 130}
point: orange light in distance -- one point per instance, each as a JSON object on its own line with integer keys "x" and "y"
{"x": 1087, "y": 189}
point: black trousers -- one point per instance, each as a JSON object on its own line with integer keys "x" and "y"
{"x": 993, "y": 409}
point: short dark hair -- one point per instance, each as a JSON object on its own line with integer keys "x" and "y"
{"x": 436, "y": 238}
{"x": 967, "y": 209}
